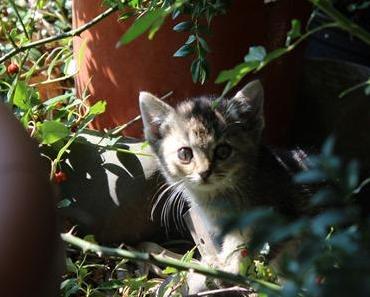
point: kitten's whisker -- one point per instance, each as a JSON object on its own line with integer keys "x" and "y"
{"x": 160, "y": 196}
{"x": 171, "y": 207}
{"x": 177, "y": 209}
{"x": 158, "y": 190}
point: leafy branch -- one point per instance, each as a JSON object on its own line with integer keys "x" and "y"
{"x": 342, "y": 21}
{"x": 71, "y": 33}
{"x": 163, "y": 261}
{"x": 258, "y": 58}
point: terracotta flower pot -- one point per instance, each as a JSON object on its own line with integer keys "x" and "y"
{"x": 31, "y": 252}
{"x": 118, "y": 74}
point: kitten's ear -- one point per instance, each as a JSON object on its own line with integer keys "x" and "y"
{"x": 253, "y": 95}
{"x": 153, "y": 112}
{"x": 249, "y": 102}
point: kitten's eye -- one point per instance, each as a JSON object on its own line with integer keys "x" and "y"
{"x": 223, "y": 151}
{"x": 185, "y": 154}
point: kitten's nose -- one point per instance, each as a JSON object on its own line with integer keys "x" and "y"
{"x": 205, "y": 174}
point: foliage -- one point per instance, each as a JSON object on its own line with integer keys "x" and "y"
{"x": 332, "y": 257}
{"x": 198, "y": 14}
{"x": 89, "y": 275}
{"x": 36, "y": 82}
{"x": 39, "y": 88}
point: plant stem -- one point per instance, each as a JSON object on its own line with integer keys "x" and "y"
{"x": 343, "y": 22}
{"x": 71, "y": 33}
{"x": 19, "y": 18}
{"x": 161, "y": 260}
{"x": 354, "y": 88}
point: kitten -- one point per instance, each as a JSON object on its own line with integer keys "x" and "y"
{"x": 213, "y": 152}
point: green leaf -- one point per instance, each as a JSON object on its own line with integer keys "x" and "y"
{"x": 40, "y": 4}
{"x": 367, "y": 91}
{"x": 69, "y": 287}
{"x": 141, "y": 25}
{"x": 183, "y": 26}
{"x": 204, "y": 44}
{"x": 321, "y": 223}
{"x": 294, "y": 32}
{"x": 126, "y": 15}
{"x": 169, "y": 270}
{"x": 195, "y": 70}
{"x": 52, "y": 131}
{"x": 98, "y": 108}
{"x": 184, "y": 51}
{"x": 256, "y": 53}
{"x": 112, "y": 284}
{"x": 191, "y": 39}
{"x": 290, "y": 289}
{"x": 155, "y": 27}
{"x": 352, "y": 175}
{"x": 71, "y": 267}
{"x": 204, "y": 71}
{"x": 24, "y": 96}
{"x": 64, "y": 203}
{"x": 61, "y": 98}
{"x": 311, "y": 176}
{"x": 188, "y": 256}
{"x": 236, "y": 74}
{"x": 328, "y": 146}
{"x": 90, "y": 238}
{"x": 2, "y": 69}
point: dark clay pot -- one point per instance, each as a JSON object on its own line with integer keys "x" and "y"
{"x": 31, "y": 250}
{"x": 117, "y": 75}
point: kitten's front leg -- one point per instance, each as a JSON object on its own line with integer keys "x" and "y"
{"x": 231, "y": 255}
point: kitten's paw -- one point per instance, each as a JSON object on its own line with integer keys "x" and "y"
{"x": 231, "y": 262}
{"x": 196, "y": 283}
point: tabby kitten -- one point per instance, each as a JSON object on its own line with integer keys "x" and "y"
{"x": 213, "y": 152}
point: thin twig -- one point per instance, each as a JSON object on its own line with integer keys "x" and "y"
{"x": 354, "y": 88}
{"x": 15, "y": 82}
{"x": 7, "y": 35}
{"x": 71, "y": 33}
{"x": 164, "y": 261}
{"x": 119, "y": 129}
{"x": 235, "y": 289}
{"x": 20, "y": 19}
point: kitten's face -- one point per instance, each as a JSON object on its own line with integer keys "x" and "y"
{"x": 202, "y": 147}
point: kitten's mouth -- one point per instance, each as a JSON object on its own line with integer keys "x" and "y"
{"x": 205, "y": 185}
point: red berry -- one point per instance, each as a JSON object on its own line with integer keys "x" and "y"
{"x": 59, "y": 105}
{"x": 60, "y": 177}
{"x": 12, "y": 69}
{"x": 244, "y": 253}
{"x": 74, "y": 128}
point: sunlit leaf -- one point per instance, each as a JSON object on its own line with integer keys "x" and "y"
{"x": 191, "y": 39}
{"x": 98, "y": 108}
{"x": 24, "y": 96}
{"x": 236, "y": 74}
{"x": 141, "y": 25}
{"x": 294, "y": 32}
{"x": 53, "y": 131}
{"x": 256, "y": 53}
{"x": 183, "y": 26}
{"x": 184, "y": 51}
